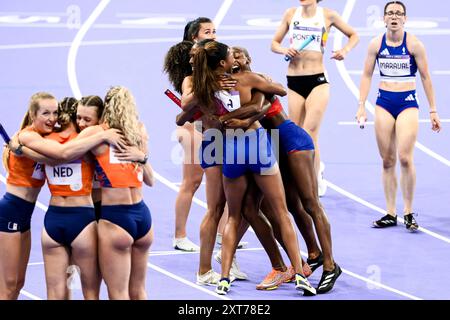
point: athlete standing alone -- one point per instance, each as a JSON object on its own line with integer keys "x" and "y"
{"x": 399, "y": 55}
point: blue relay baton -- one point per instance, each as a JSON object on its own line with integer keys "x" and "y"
{"x": 4, "y": 134}
{"x": 302, "y": 46}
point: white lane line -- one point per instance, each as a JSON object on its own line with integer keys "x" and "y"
{"x": 30, "y": 295}
{"x": 176, "y": 188}
{"x": 353, "y": 197}
{"x": 179, "y": 183}
{"x": 77, "y": 93}
{"x": 378, "y": 284}
{"x": 332, "y": 186}
{"x": 45, "y": 45}
{"x": 249, "y": 37}
{"x": 354, "y": 123}
{"x": 24, "y": 292}
{"x": 186, "y": 282}
{"x": 441, "y": 72}
{"x": 350, "y": 273}
{"x": 38, "y": 204}
{"x": 382, "y": 211}
{"x": 337, "y": 45}
{"x": 223, "y": 10}
{"x": 435, "y": 72}
{"x": 72, "y": 57}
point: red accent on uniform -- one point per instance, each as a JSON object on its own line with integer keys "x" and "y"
{"x": 274, "y": 109}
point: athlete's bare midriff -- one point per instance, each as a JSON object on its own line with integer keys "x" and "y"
{"x": 397, "y": 86}
{"x": 306, "y": 63}
{"x": 26, "y": 193}
{"x": 118, "y": 196}
{"x": 71, "y": 201}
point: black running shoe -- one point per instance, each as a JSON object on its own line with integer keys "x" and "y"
{"x": 386, "y": 221}
{"x": 316, "y": 262}
{"x": 410, "y": 222}
{"x": 328, "y": 279}
{"x": 301, "y": 283}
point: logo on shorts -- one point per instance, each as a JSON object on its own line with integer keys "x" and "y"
{"x": 410, "y": 98}
{"x": 12, "y": 226}
{"x": 321, "y": 79}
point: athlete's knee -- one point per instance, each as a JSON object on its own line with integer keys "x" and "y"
{"x": 19, "y": 284}
{"x": 389, "y": 162}
{"x": 406, "y": 160}
{"x": 212, "y": 217}
{"x": 313, "y": 130}
{"x": 234, "y": 221}
{"x": 118, "y": 294}
{"x": 138, "y": 293}
{"x": 312, "y": 206}
{"x": 190, "y": 185}
{"x": 91, "y": 294}
{"x": 217, "y": 209}
{"x": 11, "y": 289}
{"x": 57, "y": 291}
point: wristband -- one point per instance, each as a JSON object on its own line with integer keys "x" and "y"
{"x": 144, "y": 161}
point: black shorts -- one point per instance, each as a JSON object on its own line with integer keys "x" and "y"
{"x": 303, "y": 85}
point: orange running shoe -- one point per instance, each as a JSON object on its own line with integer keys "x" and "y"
{"x": 273, "y": 280}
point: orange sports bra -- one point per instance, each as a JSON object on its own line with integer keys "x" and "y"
{"x": 114, "y": 173}
{"x": 69, "y": 179}
{"x": 24, "y": 172}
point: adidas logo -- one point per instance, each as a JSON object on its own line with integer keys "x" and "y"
{"x": 328, "y": 278}
{"x": 410, "y": 98}
{"x": 385, "y": 52}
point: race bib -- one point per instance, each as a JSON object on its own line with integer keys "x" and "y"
{"x": 112, "y": 157}
{"x": 68, "y": 174}
{"x": 140, "y": 175}
{"x": 230, "y": 100}
{"x": 38, "y": 172}
{"x": 395, "y": 66}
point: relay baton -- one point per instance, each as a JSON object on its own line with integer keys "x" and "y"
{"x": 4, "y": 134}
{"x": 173, "y": 97}
{"x": 177, "y": 101}
{"x": 302, "y": 46}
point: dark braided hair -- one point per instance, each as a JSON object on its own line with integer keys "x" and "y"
{"x": 67, "y": 112}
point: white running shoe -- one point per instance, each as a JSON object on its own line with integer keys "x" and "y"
{"x": 241, "y": 244}
{"x": 321, "y": 182}
{"x": 184, "y": 244}
{"x": 235, "y": 270}
{"x": 210, "y": 278}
